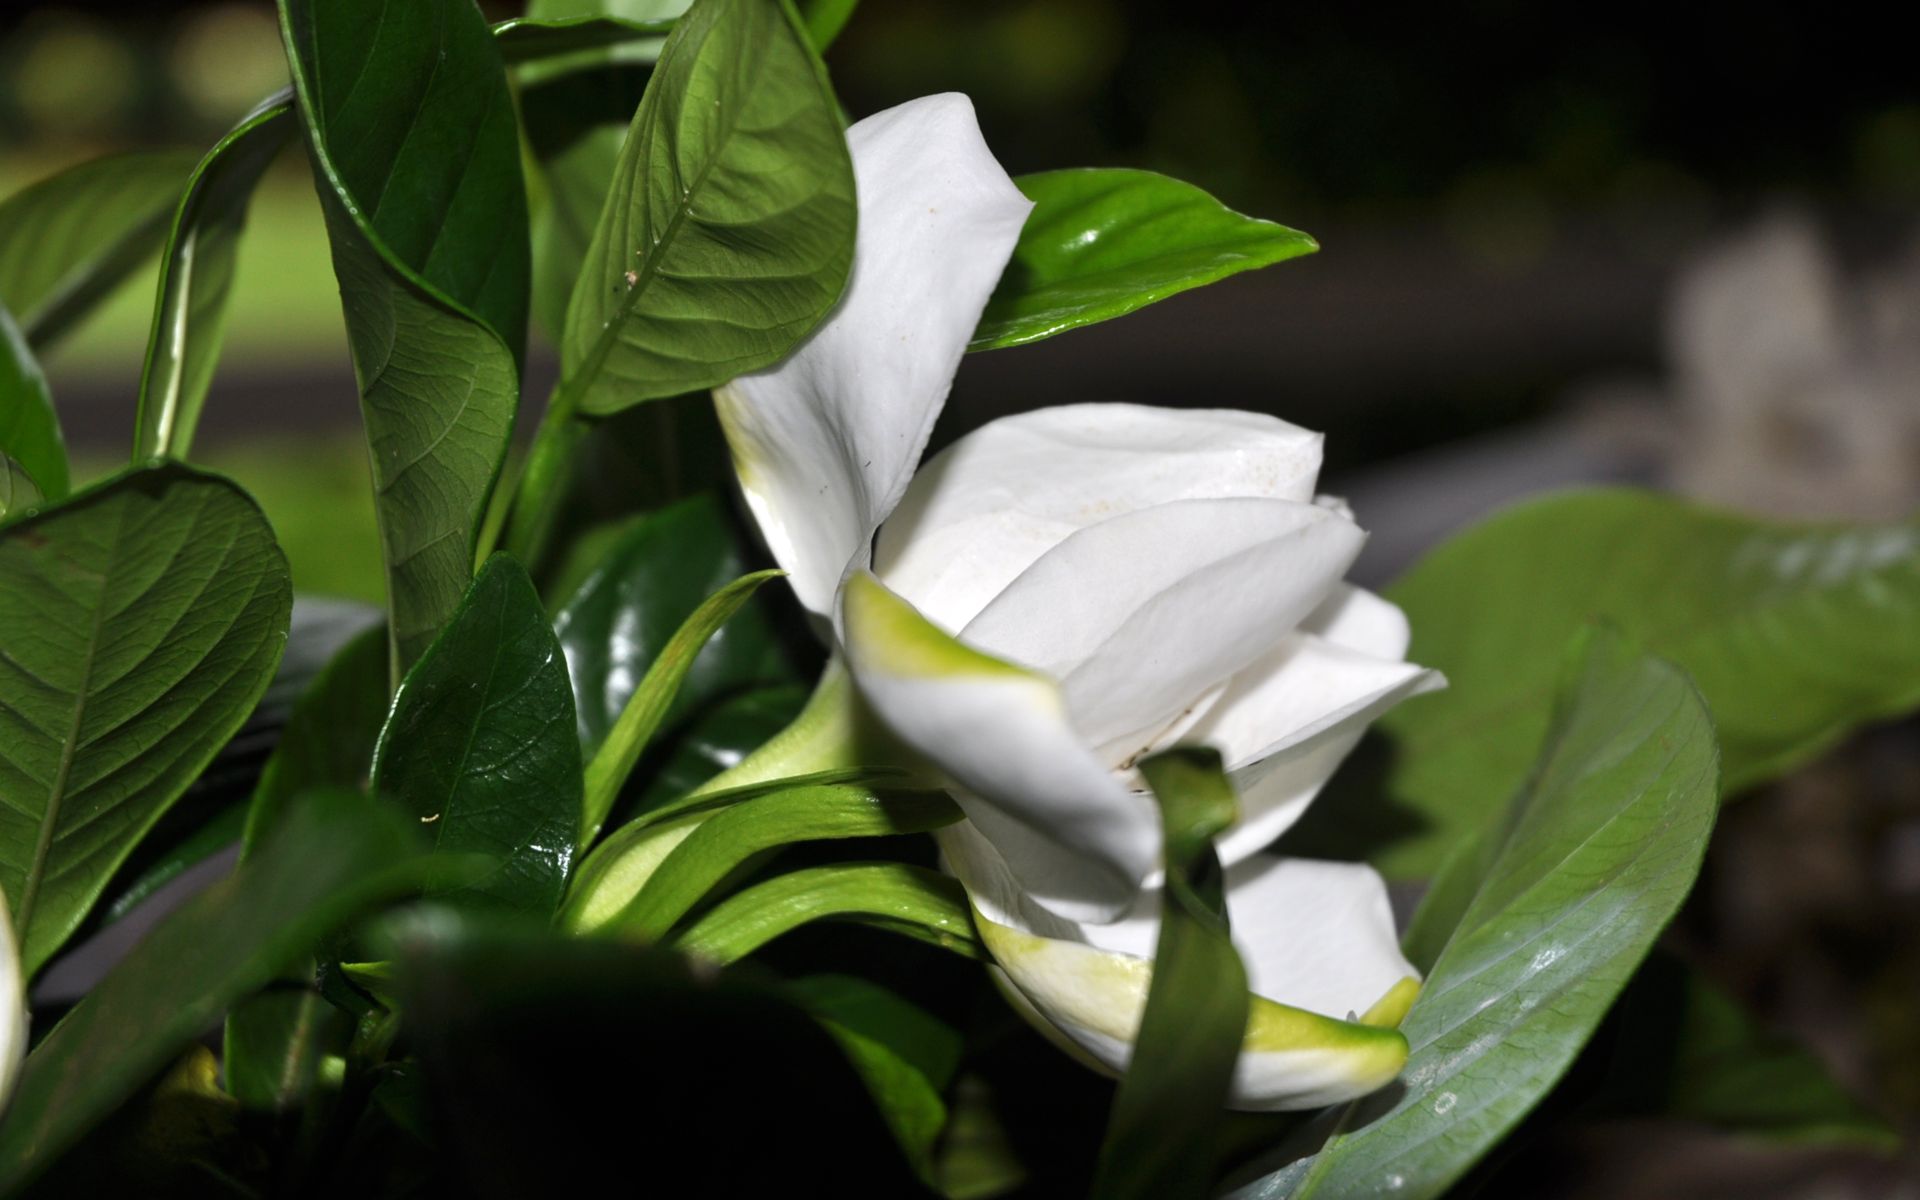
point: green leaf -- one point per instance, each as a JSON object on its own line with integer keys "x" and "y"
{"x": 898, "y": 897}
{"x": 1102, "y": 243}
{"x": 534, "y": 38}
{"x": 648, "y": 585}
{"x": 69, "y": 240}
{"x": 139, "y": 623}
{"x": 644, "y": 878}
{"x": 614, "y": 761}
{"x": 480, "y": 747}
{"x": 207, "y": 839}
{"x": 329, "y": 737}
{"x": 29, "y": 430}
{"x": 1581, "y": 873}
{"x": 1686, "y": 1050}
{"x": 1160, "y": 1141}
{"x": 905, "y": 1055}
{"x": 332, "y": 860}
{"x": 413, "y": 134}
{"x": 274, "y": 1040}
{"x": 660, "y": 14}
{"x": 1796, "y": 634}
{"x": 728, "y": 233}
{"x": 745, "y": 1088}
{"x": 825, "y": 19}
{"x": 196, "y": 279}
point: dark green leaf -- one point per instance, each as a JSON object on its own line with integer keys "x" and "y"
{"x": 616, "y": 624}
{"x": 898, "y": 897}
{"x": 644, "y": 878}
{"x": 1580, "y": 875}
{"x": 1160, "y": 1140}
{"x": 207, "y": 839}
{"x": 329, "y": 736}
{"x": 729, "y": 230}
{"x": 413, "y": 135}
{"x": 659, "y": 689}
{"x": 1686, "y": 1050}
{"x": 1101, "y": 243}
{"x": 480, "y": 747}
{"x": 749, "y": 1094}
{"x": 29, "y": 430}
{"x": 139, "y": 623}
{"x": 1796, "y": 634}
{"x": 196, "y": 278}
{"x": 332, "y": 859}
{"x": 69, "y": 240}
{"x": 274, "y": 1040}
{"x": 904, "y": 1054}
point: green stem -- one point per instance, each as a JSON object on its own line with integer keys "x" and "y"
{"x": 542, "y": 486}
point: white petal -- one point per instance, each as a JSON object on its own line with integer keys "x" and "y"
{"x": 13, "y": 1007}
{"x": 825, "y": 442}
{"x": 1317, "y": 940}
{"x": 1076, "y": 837}
{"x": 982, "y": 510}
{"x": 1140, "y": 615}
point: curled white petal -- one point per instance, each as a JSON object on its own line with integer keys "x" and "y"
{"x": 825, "y": 442}
{"x": 1077, "y": 837}
{"x": 1317, "y": 939}
{"x": 1140, "y": 615}
{"x": 981, "y": 511}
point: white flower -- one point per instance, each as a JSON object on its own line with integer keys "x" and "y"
{"x": 1064, "y": 591}
{"x": 13, "y": 1008}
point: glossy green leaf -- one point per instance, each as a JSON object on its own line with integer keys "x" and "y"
{"x": 196, "y": 279}
{"x": 729, "y": 230}
{"x": 1102, "y": 243}
{"x": 904, "y": 1054}
{"x": 1577, "y": 878}
{"x": 29, "y": 430}
{"x": 480, "y": 747}
{"x": 616, "y": 758}
{"x": 898, "y": 897}
{"x": 412, "y": 132}
{"x": 750, "y": 1094}
{"x": 69, "y": 240}
{"x": 1685, "y": 1050}
{"x": 642, "y": 880}
{"x": 332, "y": 859}
{"x": 619, "y": 621}
{"x": 140, "y": 621}
{"x": 1796, "y": 634}
{"x": 1160, "y": 1139}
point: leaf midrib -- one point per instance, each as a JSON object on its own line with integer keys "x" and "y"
{"x": 609, "y": 334}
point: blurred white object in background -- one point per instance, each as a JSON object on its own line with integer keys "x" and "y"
{"x": 1797, "y": 387}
